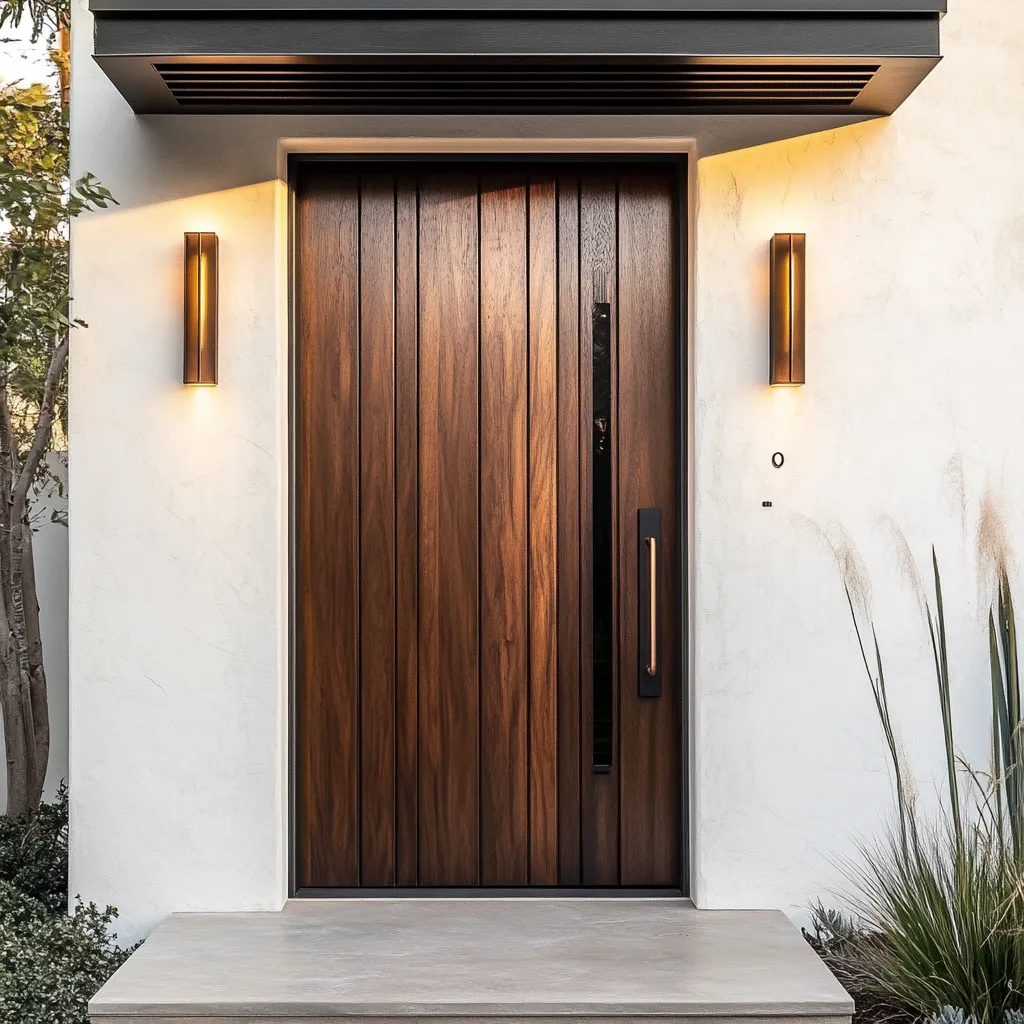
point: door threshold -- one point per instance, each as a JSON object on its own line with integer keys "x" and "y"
{"x": 470, "y": 893}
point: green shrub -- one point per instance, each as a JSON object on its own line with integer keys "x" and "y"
{"x": 51, "y": 962}
{"x": 34, "y": 853}
{"x": 948, "y": 916}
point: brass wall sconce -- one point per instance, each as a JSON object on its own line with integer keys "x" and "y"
{"x": 788, "y": 314}
{"x": 200, "y": 308}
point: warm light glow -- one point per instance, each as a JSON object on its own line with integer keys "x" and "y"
{"x": 202, "y": 402}
{"x": 787, "y": 340}
{"x": 200, "y": 308}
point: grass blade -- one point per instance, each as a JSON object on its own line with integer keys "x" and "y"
{"x": 941, "y": 653}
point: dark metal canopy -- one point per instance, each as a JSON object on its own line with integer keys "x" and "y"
{"x": 843, "y": 57}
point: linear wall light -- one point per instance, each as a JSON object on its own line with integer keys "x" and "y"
{"x": 200, "y": 308}
{"x": 788, "y": 315}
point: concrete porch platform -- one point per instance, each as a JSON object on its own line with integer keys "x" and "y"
{"x": 592, "y": 960}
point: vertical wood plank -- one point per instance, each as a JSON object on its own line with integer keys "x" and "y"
{"x": 328, "y": 529}
{"x": 600, "y": 792}
{"x": 377, "y": 528}
{"x": 448, "y": 521}
{"x": 543, "y": 542}
{"x": 407, "y": 527}
{"x": 648, "y": 414}
{"x": 569, "y": 596}
{"x": 504, "y": 613}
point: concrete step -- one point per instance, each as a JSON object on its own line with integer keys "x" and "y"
{"x": 479, "y": 960}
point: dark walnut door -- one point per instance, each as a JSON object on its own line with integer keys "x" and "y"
{"x": 487, "y": 523}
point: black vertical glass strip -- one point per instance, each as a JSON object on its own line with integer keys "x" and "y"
{"x": 479, "y": 533}
{"x": 359, "y": 527}
{"x": 579, "y": 441}
{"x": 601, "y": 508}
{"x": 416, "y": 532}
{"x": 527, "y": 186}
{"x": 395, "y": 720}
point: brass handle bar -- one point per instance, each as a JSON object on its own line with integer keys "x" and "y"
{"x": 652, "y": 576}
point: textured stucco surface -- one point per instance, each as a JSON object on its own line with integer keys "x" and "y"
{"x": 178, "y": 604}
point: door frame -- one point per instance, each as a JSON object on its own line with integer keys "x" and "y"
{"x": 682, "y": 157}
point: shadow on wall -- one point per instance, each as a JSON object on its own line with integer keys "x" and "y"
{"x": 51, "y": 554}
{"x": 175, "y": 157}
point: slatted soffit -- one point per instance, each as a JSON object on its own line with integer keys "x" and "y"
{"x": 841, "y": 57}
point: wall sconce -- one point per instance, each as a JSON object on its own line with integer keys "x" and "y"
{"x": 788, "y": 312}
{"x": 200, "y": 308}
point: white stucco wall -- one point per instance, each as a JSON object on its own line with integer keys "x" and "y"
{"x": 179, "y": 498}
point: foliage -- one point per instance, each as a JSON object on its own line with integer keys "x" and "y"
{"x": 37, "y": 202}
{"x": 949, "y": 911}
{"x": 940, "y": 652}
{"x": 839, "y": 940}
{"x": 876, "y": 678}
{"x": 34, "y": 853}
{"x": 941, "y": 905}
{"x": 51, "y": 962}
{"x": 1007, "y": 718}
{"x": 45, "y": 16}
{"x": 950, "y": 1015}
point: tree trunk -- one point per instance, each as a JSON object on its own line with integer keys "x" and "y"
{"x": 24, "y": 788}
{"x": 18, "y": 767}
{"x": 23, "y": 694}
{"x": 37, "y": 673}
{"x": 23, "y": 682}
{"x": 64, "y": 62}
{"x": 19, "y": 803}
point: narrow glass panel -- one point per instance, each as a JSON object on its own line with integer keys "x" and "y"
{"x": 601, "y": 501}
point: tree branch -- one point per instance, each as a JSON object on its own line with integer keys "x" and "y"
{"x": 8, "y": 470}
{"x": 43, "y": 431}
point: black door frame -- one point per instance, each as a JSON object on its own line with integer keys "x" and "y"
{"x": 681, "y": 163}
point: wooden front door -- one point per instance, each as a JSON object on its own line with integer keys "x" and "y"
{"x": 487, "y": 415}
